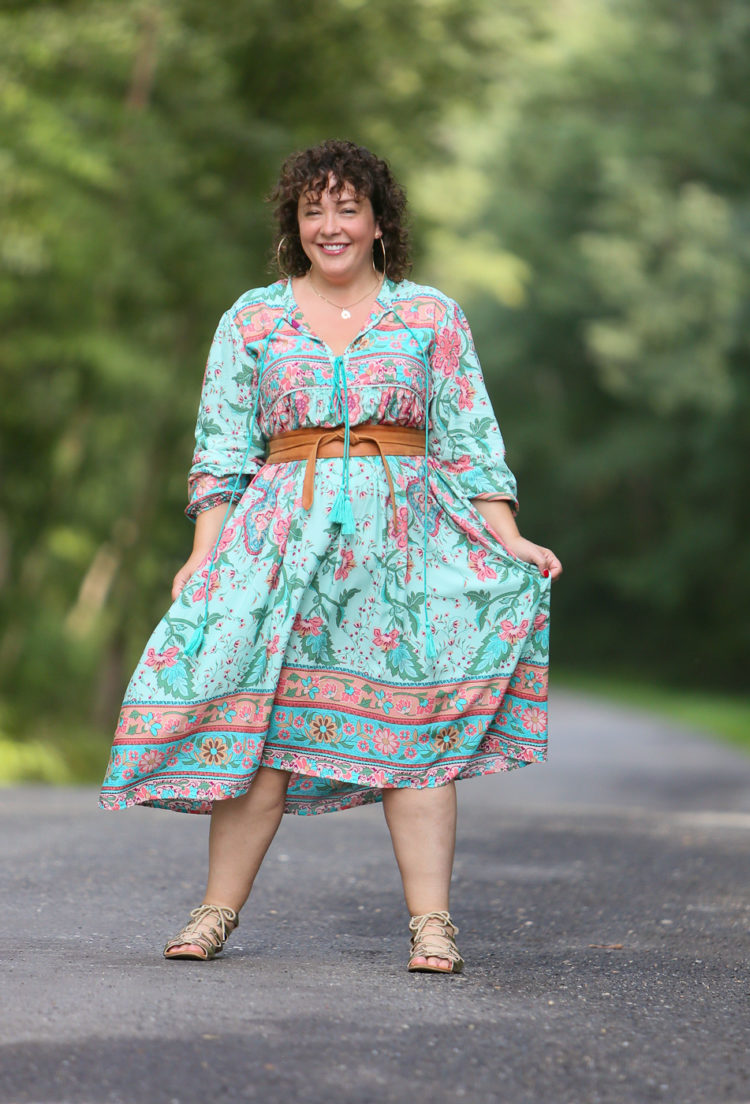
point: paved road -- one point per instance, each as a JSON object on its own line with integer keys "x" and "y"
{"x": 634, "y": 833}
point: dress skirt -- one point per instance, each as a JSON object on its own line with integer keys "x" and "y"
{"x": 315, "y": 661}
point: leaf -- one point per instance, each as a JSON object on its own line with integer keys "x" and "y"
{"x": 318, "y": 647}
{"x": 177, "y": 679}
{"x": 402, "y": 661}
{"x": 478, "y": 429}
{"x": 246, "y": 377}
{"x": 344, "y": 598}
{"x": 256, "y": 667}
{"x": 492, "y": 652}
{"x": 483, "y": 601}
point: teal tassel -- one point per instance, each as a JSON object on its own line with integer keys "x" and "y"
{"x": 430, "y": 649}
{"x": 195, "y": 643}
{"x": 348, "y": 528}
{"x": 337, "y": 510}
{"x": 342, "y": 512}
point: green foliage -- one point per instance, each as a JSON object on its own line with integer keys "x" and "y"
{"x": 31, "y": 762}
{"x": 619, "y": 180}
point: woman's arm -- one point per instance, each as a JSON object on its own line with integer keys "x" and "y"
{"x": 207, "y": 527}
{"x": 499, "y": 516}
{"x": 225, "y": 459}
{"x": 465, "y": 437}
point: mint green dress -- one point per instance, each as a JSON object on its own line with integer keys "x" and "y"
{"x": 357, "y": 647}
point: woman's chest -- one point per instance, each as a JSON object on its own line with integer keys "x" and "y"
{"x": 381, "y": 377}
{"x": 373, "y": 360}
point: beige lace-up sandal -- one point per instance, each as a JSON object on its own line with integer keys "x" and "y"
{"x": 428, "y": 944}
{"x": 210, "y": 938}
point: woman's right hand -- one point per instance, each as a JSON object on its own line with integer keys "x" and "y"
{"x": 207, "y": 528}
{"x": 197, "y": 557}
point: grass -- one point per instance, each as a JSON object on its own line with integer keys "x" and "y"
{"x": 718, "y": 714}
{"x": 31, "y": 761}
{"x": 57, "y": 757}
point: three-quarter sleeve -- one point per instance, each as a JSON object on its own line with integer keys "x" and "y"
{"x": 223, "y": 426}
{"x": 465, "y": 437}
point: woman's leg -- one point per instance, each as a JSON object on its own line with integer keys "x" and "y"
{"x": 422, "y": 824}
{"x": 241, "y": 832}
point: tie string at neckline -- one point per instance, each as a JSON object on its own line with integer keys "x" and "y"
{"x": 342, "y": 511}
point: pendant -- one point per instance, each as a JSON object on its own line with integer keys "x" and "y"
{"x": 345, "y": 313}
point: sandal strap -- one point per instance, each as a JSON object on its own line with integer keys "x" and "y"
{"x": 210, "y": 938}
{"x": 417, "y": 923}
{"x": 430, "y": 944}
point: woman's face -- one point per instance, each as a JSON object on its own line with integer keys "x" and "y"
{"x": 337, "y": 231}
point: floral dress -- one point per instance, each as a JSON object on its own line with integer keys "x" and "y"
{"x": 409, "y": 648}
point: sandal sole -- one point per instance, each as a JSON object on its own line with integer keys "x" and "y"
{"x": 194, "y": 957}
{"x": 434, "y": 970}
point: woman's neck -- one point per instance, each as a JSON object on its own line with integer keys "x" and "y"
{"x": 347, "y": 289}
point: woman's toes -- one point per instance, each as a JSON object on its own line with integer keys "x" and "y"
{"x": 190, "y": 948}
{"x": 436, "y": 963}
{"x": 439, "y": 963}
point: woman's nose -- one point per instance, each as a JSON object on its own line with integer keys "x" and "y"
{"x": 330, "y": 222}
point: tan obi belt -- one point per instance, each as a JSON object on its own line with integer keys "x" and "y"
{"x": 322, "y": 442}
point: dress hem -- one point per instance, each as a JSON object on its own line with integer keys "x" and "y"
{"x": 163, "y": 797}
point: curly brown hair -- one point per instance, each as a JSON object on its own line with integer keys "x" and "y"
{"x": 308, "y": 172}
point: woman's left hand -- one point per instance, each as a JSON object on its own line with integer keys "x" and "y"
{"x": 544, "y": 558}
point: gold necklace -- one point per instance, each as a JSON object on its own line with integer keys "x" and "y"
{"x": 346, "y": 312}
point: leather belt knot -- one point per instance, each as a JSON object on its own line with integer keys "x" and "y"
{"x": 323, "y": 442}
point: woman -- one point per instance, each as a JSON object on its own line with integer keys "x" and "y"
{"x": 354, "y": 623}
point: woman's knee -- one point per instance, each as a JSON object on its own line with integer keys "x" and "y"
{"x": 271, "y": 782}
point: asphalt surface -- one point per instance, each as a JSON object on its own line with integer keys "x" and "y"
{"x": 604, "y": 906}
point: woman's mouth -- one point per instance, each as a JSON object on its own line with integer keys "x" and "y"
{"x": 334, "y": 249}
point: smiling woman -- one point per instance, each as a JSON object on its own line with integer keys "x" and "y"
{"x": 360, "y": 619}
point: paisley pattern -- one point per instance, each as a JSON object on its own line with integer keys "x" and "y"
{"x": 314, "y": 658}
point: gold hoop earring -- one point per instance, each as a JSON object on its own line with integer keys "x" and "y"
{"x": 385, "y": 259}
{"x": 278, "y": 256}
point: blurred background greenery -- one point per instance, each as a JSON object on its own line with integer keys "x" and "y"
{"x": 579, "y": 178}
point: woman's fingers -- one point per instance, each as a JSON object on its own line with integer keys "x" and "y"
{"x": 543, "y": 558}
{"x": 177, "y": 585}
{"x": 180, "y": 580}
{"x": 546, "y": 560}
{"x": 550, "y": 566}
{"x": 188, "y": 568}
